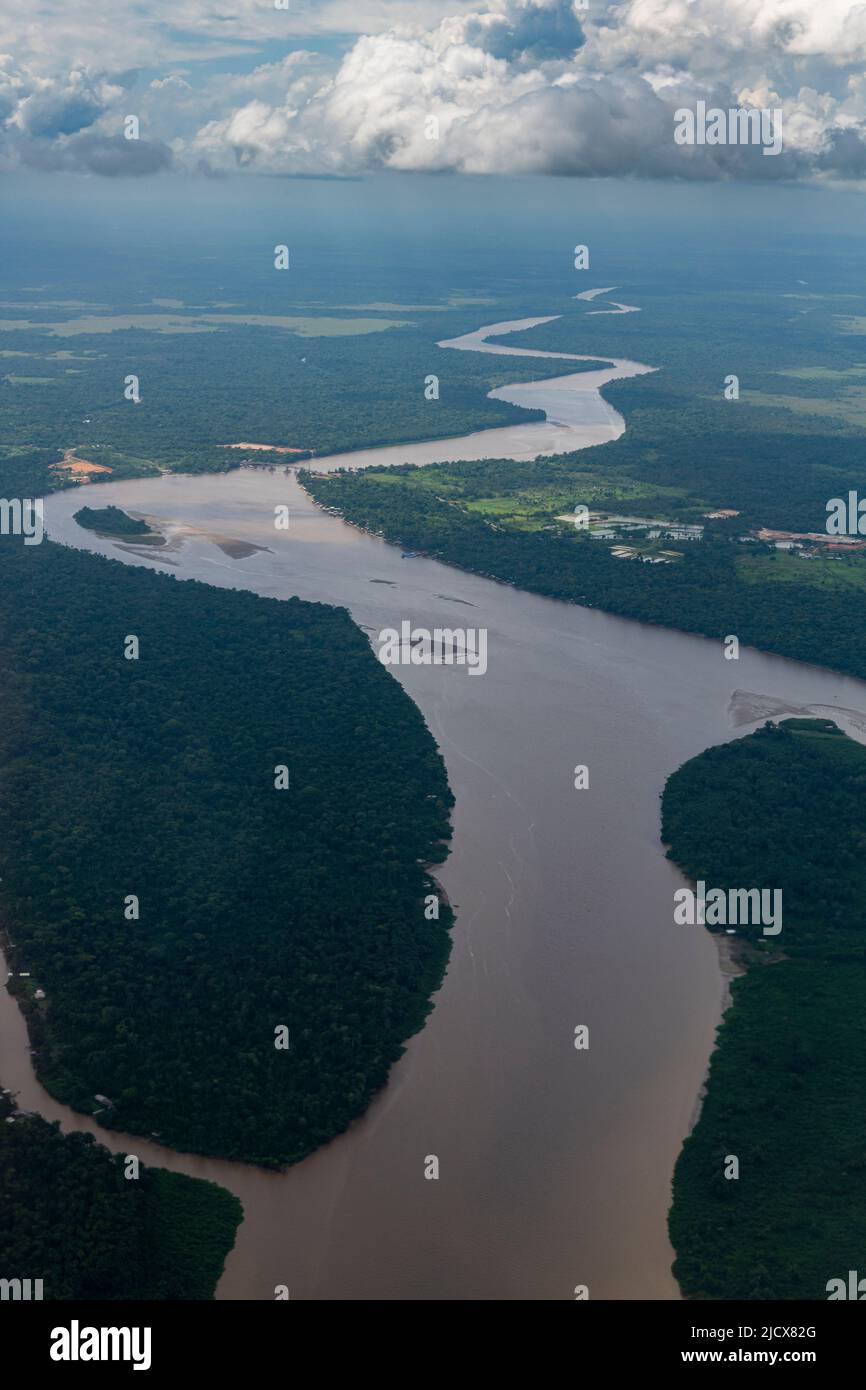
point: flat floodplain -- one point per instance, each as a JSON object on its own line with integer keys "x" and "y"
{"x": 303, "y": 326}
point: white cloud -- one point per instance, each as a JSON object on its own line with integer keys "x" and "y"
{"x": 514, "y": 86}
{"x": 128, "y": 33}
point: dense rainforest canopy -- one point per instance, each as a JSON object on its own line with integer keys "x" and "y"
{"x": 783, "y": 808}
{"x": 174, "y": 903}
{"x": 71, "y": 1217}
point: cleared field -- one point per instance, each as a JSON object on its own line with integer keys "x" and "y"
{"x": 303, "y": 327}
{"x": 821, "y": 572}
{"x": 824, "y": 373}
{"x": 850, "y": 406}
{"x": 532, "y": 508}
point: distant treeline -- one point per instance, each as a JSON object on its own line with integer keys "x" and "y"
{"x": 203, "y": 390}
{"x": 783, "y": 808}
{"x": 777, "y": 453}
{"x": 258, "y": 908}
{"x": 71, "y": 1217}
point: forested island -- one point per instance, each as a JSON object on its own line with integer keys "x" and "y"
{"x": 213, "y": 851}
{"x": 111, "y": 520}
{"x": 72, "y": 1218}
{"x": 785, "y": 808}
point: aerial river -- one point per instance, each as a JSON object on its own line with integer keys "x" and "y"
{"x": 555, "y": 1163}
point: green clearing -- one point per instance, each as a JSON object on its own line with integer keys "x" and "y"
{"x": 533, "y": 507}
{"x": 824, "y": 373}
{"x": 850, "y": 406}
{"x": 834, "y": 571}
{"x": 302, "y": 326}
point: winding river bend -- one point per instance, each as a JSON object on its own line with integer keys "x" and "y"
{"x": 555, "y": 1164}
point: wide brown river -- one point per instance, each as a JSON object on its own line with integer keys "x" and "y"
{"x": 555, "y": 1164}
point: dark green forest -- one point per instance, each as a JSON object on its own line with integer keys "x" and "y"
{"x": 260, "y": 385}
{"x": 258, "y": 907}
{"x": 783, "y": 808}
{"x": 70, "y": 1217}
{"x": 111, "y": 520}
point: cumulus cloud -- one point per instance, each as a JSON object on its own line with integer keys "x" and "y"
{"x": 705, "y": 35}
{"x": 528, "y": 33}
{"x": 543, "y": 86}
{"x": 59, "y": 109}
{"x": 110, "y": 156}
{"x": 128, "y": 33}
{"x": 408, "y": 98}
{"x": 71, "y": 122}
{"x": 502, "y": 86}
